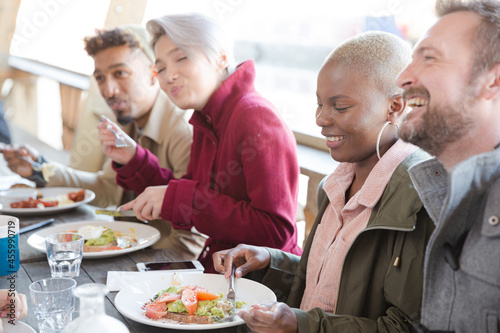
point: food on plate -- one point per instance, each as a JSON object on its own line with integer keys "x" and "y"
{"x": 58, "y": 201}
{"x": 76, "y": 196}
{"x": 188, "y": 305}
{"x": 99, "y": 238}
{"x": 21, "y": 185}
{"x": 48, "y": 170}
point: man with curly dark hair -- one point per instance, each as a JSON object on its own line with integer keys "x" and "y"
{"x": 127, "y": 80}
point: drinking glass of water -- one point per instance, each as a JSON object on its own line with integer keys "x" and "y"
{"x": 53, "y": 303}
{"x": 64, "y": 253}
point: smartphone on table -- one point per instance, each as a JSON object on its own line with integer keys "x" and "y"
{"x": 177, "y": 266}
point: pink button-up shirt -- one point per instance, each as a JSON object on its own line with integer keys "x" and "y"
{"x": 341, "y": 223}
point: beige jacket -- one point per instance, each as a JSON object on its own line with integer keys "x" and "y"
{"x": 168, "y": 135}
{"x": 86, "y": 152}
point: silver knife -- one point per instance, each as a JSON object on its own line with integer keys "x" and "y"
{"x": 35, "y": 225}
{"x": 112, "y": 212}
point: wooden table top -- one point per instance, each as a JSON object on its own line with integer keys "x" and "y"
{"x": 34, "y": 267}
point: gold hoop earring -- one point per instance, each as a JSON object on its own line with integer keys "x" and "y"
{"x": 380, "y": 135}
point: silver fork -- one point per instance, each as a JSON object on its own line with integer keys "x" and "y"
{"x": 34, "y": 165}
{"x": 231, "y": 297}
{"x": 119, "y": 140}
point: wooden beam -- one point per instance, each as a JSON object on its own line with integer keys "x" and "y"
{"x": 125, "y": 12}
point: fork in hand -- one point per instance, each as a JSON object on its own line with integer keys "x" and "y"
{"x": 231, "y": 297}
{"x": 34, "y": 165}
{"x": 120, "y": 142}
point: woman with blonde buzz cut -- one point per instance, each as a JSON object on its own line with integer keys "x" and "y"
{"x": 362, "y": 266}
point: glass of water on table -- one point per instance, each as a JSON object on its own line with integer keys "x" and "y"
{"x": 53, "y": 303}
{"x": 64, "y": 253}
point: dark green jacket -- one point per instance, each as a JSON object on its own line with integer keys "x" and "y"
{"x": 378, "y": 292}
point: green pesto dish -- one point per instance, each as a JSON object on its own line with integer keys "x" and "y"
{"x": 106, "y": 238}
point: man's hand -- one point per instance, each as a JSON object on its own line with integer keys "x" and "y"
{"x": 246, "y": 258}
{"x": 14, "y": 157}
{"x": 120, "y": 155}
{"x": 147, "y": 206}
{"x": 270, "y": 318}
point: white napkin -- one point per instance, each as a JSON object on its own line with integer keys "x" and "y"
{"x": 117, "y": 280}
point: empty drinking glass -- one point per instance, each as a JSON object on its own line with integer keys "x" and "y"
{"x": 64, "y": 253}
{"x": 53, "y": 303}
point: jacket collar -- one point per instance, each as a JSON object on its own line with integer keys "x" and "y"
{"x": 401, "y": 202}
{"x": 382, "y": 172}
{"x": 237, "y": 84}
{"x": 435, "y": 185}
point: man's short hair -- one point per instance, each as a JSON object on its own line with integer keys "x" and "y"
{"x": 380, "y": 56}
{"x": 133, "y": 36}
{"x": 486, "y": 41}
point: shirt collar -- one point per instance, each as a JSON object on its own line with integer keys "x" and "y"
{"x": 371, "y": 191}
{"x": 379, "y": 177}
{"x": 152, "y": 129}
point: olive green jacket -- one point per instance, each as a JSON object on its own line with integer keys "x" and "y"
{"x": 381, "y": 279}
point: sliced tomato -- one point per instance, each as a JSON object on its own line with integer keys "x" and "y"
{"x": 156, "y": 310}
{"x": 49, "y": 203}
{"x": 189, "y": 300}
{"x": 168, "y": 297}
{"x": 204, "y": 295}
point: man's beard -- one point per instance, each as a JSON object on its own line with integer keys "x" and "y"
{"x": 124, "y": 120}
{"x": 440, "y": 125}
{"x": 121, "y": 118}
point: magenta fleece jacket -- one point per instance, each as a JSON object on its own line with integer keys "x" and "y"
{"x": 242, "y": 181}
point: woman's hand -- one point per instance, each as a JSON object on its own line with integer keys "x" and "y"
{"x": 120, "y": 155}
{"x": 274, "y": 317}
{"x": 147, "y": 206}
{"x": 20, "y": 308}
{"x": 246, "y": 258}
{"x": 14, "y": 155}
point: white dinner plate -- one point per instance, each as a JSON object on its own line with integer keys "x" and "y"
{"x": 144, "y": 234}
{"x": 19, "y": 327}
{"x": 50, "y": 192}
{"x": 131, "y": 299}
